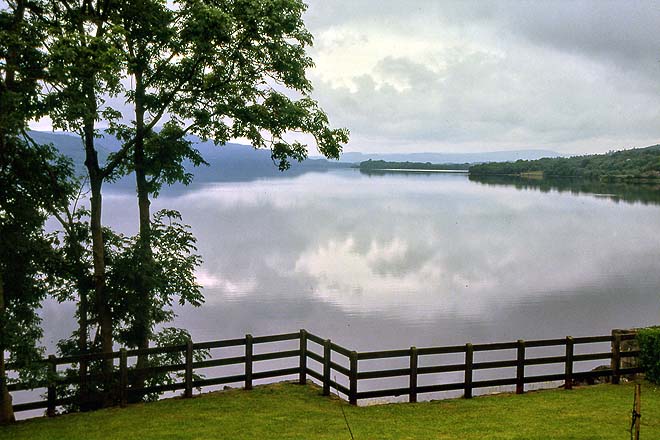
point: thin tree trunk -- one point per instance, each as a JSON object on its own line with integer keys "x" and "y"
{"x": 143, "y": 321}
{"x": 6, "y": 410}
{"x": 98, "y": 251}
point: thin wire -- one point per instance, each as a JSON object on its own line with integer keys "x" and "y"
{"x": 635, "y": 414}
{"x": 341, "y": 406}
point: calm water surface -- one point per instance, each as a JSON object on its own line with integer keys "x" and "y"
{"x": 393, "y": 260}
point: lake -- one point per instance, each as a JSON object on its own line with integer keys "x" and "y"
{"x": 390, "y": 260}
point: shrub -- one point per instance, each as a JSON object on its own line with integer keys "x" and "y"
{"x": 649, "y": 356}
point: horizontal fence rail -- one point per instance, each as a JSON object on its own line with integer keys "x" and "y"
{"x": 324, "y": 361}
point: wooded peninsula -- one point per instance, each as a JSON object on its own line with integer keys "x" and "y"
{"x": 633, "y": 164}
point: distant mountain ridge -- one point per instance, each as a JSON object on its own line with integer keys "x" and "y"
{"x": 238, "y": 162}
{"x": 495, "y": 156}
{"x": 229, "y": 162}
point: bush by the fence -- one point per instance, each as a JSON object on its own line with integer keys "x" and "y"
{"x": 649, "y": 356}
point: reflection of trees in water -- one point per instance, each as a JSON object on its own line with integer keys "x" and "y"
{"x": 410, "y": 172}
{"x": 638, "y": 192}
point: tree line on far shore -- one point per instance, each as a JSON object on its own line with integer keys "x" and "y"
{"x": 372, "y": 165}
{"x": 637, "y": 163}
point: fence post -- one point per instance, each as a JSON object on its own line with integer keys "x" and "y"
{"x": 520, "y": 368}
{"x": 616, "y": 357}
{"x": 412, "y": 398}
{"x": 302, "y": 377}
{"x": 123, "y": 378}
{"x": 327, "y": 353}
{"x": 248, "y": 361}
{"x": 469, "y": 359}
{"x": 189, "y": 369}
{"x": 52, "y": 391}
{"x": 352, "y": 386}
{"x": 83, "y": 392}
{"x": 568, "y": 380}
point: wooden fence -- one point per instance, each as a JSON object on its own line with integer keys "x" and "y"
{"x": 333, "y": 359}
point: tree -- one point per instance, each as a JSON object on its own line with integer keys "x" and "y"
{"x": 214, "y": 69}
{"x": 84, "y": 68}
{"x": 33, "y": 183}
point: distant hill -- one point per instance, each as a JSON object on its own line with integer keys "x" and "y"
{"x": 636, "y": 163}
{"x": 496, "y": 156}
{"x": 229, "y": 162}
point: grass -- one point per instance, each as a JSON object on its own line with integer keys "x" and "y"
{"x": 289, "y": 411}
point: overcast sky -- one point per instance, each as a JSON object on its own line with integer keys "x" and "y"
{"x": 467, "y": 76}
{"x": 429, "y": 75}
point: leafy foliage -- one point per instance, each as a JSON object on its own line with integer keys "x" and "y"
{"x": 171, "y": 275}
{"x": 169, "y": 336}
{"x": 649, "y": 352}
{"x": 34, "y": 181}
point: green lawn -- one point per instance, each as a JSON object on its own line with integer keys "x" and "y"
{"x": 289, "y": 411}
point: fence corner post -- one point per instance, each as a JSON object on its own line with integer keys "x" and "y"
{"x": 520, "y": 368}
{"x": 568, "y": 371}
{"x": 302, "y": 376}
{"x": 248, "y": 361}
{"x": 189, "y": 369}
{"x": 327, "y": 353}
{"x": 52, "y": 390}
{"x": 616, "y": 357}
{"x": 353, "y": 378}
{"x": 469, "y": 360}
{"x": 412, "y": 397}
{"x": 123, "y": 378}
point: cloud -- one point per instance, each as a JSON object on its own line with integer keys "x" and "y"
{"x": 578, "y": 77}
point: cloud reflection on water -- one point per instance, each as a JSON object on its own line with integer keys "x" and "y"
{"x": 414, "y": 248}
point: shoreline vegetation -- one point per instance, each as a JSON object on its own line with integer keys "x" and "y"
{"x": 382, "y": 165}
{"x": 286, "y": 410}
{"x": 635, "y": 165}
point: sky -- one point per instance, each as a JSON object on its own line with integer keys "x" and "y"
{"x": 466, "y": 76}
{"x": 575, "y": 77}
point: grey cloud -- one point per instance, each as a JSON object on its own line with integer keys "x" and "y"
{"x": 482, "y": 98}
{"x": 575, "y": 76}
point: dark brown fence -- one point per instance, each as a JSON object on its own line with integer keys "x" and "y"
{"x": 329, "y": 360}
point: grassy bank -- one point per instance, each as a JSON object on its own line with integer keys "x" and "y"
{"x": 288, "y": 411}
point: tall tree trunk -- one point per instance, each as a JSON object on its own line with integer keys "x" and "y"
{"x": 6, "y": 410}
{"x": 144, "y": 287}
{"x": 98, "y": 251}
